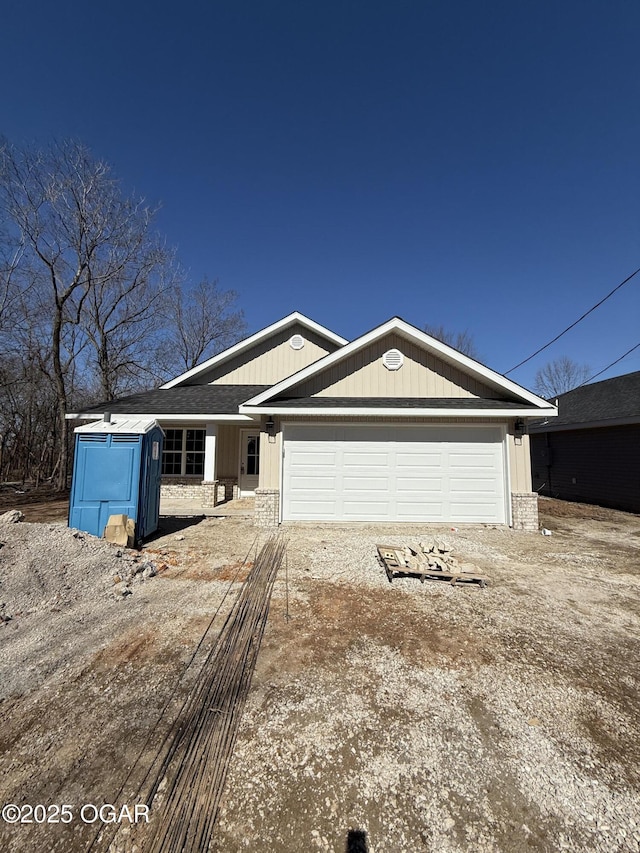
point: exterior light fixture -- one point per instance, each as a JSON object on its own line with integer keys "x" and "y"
{"x": 270, "y": 426}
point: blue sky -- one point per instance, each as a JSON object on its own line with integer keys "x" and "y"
{"x": 457, "y": 162}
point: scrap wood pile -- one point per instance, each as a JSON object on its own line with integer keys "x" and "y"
{"x": 432, "y": 560}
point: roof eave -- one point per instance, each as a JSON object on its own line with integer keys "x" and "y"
{"x": 182, "y": 418}
{"x": 522, "y": 412}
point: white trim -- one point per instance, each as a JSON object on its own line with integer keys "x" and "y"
{"x": 410, "y": 332}
{"x": 507, "y": 473}
{"x": 295, "y": 317}
{"x": 240, "y": 418}
{"x": 391, "y": 412}
{"x": 248, "y": 493}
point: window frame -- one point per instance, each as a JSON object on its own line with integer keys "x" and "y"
{"x": 184, "y": 452}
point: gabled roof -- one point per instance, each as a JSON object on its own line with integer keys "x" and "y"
{"x": 275, "y": 398}
{"x": 247, "y": 343}
{"x": 606, "y": 403}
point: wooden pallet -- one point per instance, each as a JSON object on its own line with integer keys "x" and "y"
{"x": 393, "y": 563}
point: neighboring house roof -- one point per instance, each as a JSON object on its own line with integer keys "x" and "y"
{"x": 291, "y": 320}
{"x": 188, "y": 400}
{"x": 607, "y": 403}
{"x": 277, "y": 400}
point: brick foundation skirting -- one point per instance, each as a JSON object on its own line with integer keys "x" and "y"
{"x": 267, "y": 512}
{"x": 524, "y": 511}
{"x": 207, "y": 493}
{"x": 181, "y": 487}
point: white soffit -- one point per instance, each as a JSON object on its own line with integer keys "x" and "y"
{"x": 410, "y": 333}
{"x": 245, "y": 344}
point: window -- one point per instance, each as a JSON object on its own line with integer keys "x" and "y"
{"x": 183, "y": 452}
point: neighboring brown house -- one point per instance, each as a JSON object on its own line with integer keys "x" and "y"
{"x": 591, "y": 451}
{"x": 392, "y": 426}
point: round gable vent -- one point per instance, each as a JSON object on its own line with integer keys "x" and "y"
{"x": 393, "y": 359}
{"x": 296, "y": 342}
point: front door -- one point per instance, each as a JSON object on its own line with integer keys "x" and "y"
{"x": 249, "y": 462}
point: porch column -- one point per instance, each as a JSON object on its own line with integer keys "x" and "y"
{"x": 209, "y": 483}
{"x": 210, "y": 453}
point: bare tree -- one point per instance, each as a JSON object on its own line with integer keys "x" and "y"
{"x": 560, "y": 376}
{"x": 84, "y": 254}
{"x": 462, "y": 341}
{"x": 201, "y": 322}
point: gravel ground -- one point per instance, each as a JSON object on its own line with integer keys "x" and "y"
{"x": 415, "y": 716}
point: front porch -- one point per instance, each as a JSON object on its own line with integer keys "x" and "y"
{"x": 210, "y": 465}
{"x": 182, "y": 506}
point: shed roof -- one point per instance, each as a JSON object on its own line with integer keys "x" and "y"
{"x": 127, "y": 426}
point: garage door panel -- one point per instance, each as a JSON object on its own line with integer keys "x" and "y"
{"x": 318, "y": 483}
{"x": 368, "y": 473}
{"x": 419, "y": 459}
{"x": 470, "y": 511}
{"x": 365, "y": 458}
{"x": 300, "y": 456}
{"x": 364, "y": 485}
{"x": 473, "y": 484}
{"x": 419, "y": 485}
{"x": 417, "y": 512}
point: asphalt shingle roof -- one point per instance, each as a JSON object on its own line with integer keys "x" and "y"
{"x": 182, "y": 400}
{"x": 390, "y": 403}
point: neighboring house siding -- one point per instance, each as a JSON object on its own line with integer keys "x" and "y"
{"x": 422, "y": 375}
{"x": 269, "y": 361}
{"x": 600, "y": 465}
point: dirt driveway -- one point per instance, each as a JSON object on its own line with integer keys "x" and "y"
{"x": 388, "y": 717}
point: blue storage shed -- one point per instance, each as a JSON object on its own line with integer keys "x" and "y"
{"x": 116, "y": 469}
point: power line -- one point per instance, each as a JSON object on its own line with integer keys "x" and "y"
{"x": 586, "y": 314}
{"x": 604, "y": 369}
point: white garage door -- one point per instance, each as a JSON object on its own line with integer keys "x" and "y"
{"x": 367, "y": 473}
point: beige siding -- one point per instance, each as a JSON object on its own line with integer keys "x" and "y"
{"x": 228, "y": 449}
{"x": 422, "y": 375}
{"x": 269, "y": 361}
{"x": 519, "y": 462}
{"x": 270, "y": 456}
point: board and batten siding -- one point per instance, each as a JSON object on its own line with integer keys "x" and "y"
{"x": 519, "y": 461}
{"x": 227, "y": 450}
{"x": 270, "y": 360}
{"x": 422, "y": 375}
{"x": 599, "y": 465}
